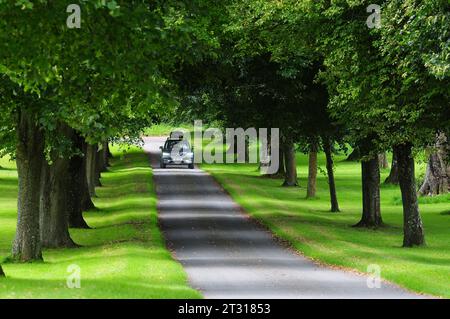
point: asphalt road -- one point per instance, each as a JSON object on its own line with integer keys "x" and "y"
{"x": 227, "y": 255}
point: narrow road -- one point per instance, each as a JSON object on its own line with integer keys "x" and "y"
{"x": 226, "y": 255}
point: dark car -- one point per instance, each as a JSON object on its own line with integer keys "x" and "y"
{"x": 176, "y": 151}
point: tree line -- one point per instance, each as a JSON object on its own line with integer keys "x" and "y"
{"x": 311, "y": 68}
{"x": 319, "y": 73}
{"x": 65, "y": 94}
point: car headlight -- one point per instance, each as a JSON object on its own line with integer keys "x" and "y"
{"x": 188, "y": 155}
{"x": 164, "y": 154}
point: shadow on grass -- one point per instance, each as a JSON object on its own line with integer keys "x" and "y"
{"x": 137, "y": 222}
{"x": 117, "y": 209}
{"x": 445, "y": 198}
{"x": 126, "y": 287}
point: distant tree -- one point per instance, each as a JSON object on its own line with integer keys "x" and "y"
{"x": 312, "y": 171}
{"x": 393, "y": 174}
{"x": 437, "y": 176}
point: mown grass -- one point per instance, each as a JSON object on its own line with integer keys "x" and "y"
{"x": 123, "y": 256}
{"x": 164, "y": 129}
{"x": 309, "y": 226}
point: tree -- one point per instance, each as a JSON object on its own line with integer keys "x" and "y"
{"x": 330, "y": 172}
{"x": 62, "y": 79}
{"x": 400, "y": 71}
{"x": 290, "y": 163}
{"x": 312, "y": 172}
{"x": 412, "y": 43}
{"x": 343, "y": 41}
{"x": 383, "y": 161}
{"x": 285, "y": 83}
{"x": 412, "y": 222}
{"x": 371, "y": 214}
{"x": 54, "y": 191}
{"x": 79, "y": 199}
{"x": 438, "y": 168}
{"x": 393, "y": 174}
{"x": 29, "y": 158}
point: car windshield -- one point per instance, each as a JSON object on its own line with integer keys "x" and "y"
{"x": 183, "y": 146}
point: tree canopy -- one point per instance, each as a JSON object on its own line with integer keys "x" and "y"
{"x": 314, "y": 69}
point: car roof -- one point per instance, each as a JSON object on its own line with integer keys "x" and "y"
{"x": 175, "y": 139}
{"x": 176, "y": 134}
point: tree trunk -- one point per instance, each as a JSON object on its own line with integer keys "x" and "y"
{"x": 382, "y": 160}
{"x": 370, "y": 175}
{"x": 2, "y": 274}
{"x": 281, "y": 171}
{"x": 282, "y": 168}
{"x": 86, "y": 201}
{"x": 91, "y": 172}
{"x": 106, "y": 156}
{"x": 312, "y": 172}
{"x": 290, "y": 164}
{"x": 247, "y": 149}
{"x": 98, "y": 167}
{"x": 233, "y": 149}
{"x": 29, "y": 158}
{"x": 44, "y": 201}
{"x": 330, "y": 173}
{"x": 102, "y": 159}
{"x": 55, "y": 189}
{"x": 413, "y": 234}
{"x": 355, "y": 155}
{"x": 437, "y": 176}
{"x": 77, "y": 175}
{"x": 108, "y": 151}
{"x": 393, "y": 175}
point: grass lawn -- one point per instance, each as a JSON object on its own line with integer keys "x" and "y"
{"x": 327, "y": 237}
{"x": 122, "y": 257}
{"x": 164, "y": 129}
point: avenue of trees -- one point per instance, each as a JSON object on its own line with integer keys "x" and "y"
{"x": 314, "y": 69}
{"x": 65, "y": 93}
{"x": 319, "y": 73}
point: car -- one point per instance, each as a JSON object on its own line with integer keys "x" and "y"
{"x": 176, "y": 135}
{"x": 176, "y": 151}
